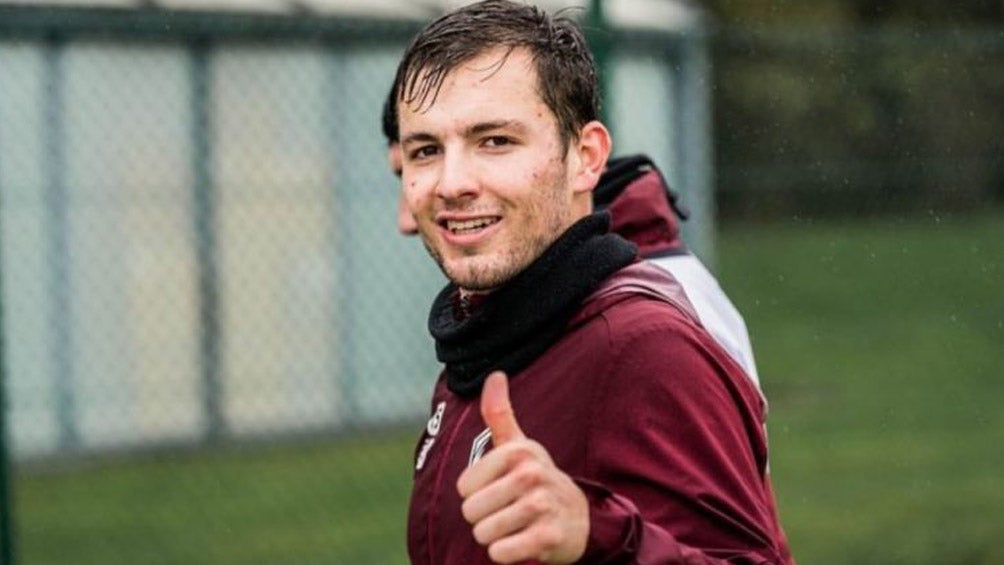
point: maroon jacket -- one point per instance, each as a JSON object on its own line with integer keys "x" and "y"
{"x": 642, "y": 208}
{"x": 646, "y": 412}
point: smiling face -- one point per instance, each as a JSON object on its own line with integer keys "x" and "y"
{"x": 486, "y": 174}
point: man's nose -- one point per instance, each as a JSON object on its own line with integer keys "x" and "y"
{"x": 457, "y": 179}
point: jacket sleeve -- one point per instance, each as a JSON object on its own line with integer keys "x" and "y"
{"x": 676, "y": 468}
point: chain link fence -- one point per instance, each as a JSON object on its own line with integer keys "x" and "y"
{"x": 178, "y": 260}
{"x": 214, "y": 343}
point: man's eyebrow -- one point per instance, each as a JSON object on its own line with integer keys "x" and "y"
{"x": 417, "y": 137}
{"x": 471, "y": 131}
{"x": 484, "y": 127}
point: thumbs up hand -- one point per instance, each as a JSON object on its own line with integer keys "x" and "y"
{"x": 521, "y": 506}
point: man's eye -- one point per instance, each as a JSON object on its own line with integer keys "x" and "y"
{"x": 497, "y": 141}
{"x": 423, "y": 152}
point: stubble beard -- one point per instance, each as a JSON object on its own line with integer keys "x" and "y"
{"x": 488, "y": 273}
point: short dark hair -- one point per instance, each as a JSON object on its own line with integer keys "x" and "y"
{"x": 566, "y": 72}
{"x": 388, "y": 118}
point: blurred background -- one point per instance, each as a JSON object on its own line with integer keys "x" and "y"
{"x": 212, "y": 338}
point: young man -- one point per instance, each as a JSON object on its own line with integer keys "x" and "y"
{"x": 629, "y": 434}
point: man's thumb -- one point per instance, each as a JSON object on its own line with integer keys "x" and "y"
{"x": 497, "y": 410}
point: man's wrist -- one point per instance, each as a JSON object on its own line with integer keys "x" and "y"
{"x": 612, "y": 524}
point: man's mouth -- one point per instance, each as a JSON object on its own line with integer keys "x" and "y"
{"x": 462, "y": 227}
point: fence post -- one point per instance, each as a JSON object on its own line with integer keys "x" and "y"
{"x": 204, "y": 219}
{"x": 58, "y": 223}
{"x": 694, "y": 114}
{"x": 348, "y": 369}
{"x": 6, "y": 499}
{"x": 598, "y": 34}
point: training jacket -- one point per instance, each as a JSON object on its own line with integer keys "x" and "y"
{"x": 648, "y": 414}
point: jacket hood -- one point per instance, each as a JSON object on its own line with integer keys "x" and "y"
{"x": 642, "y": 207}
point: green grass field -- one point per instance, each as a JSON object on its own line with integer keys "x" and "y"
{"x": 881, "y": 347}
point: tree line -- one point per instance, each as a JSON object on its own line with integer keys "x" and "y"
{"x": 857, "y": 107}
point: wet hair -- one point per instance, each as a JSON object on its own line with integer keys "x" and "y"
{"x": 388, "y": 118}
{"x": 566, "y": 72}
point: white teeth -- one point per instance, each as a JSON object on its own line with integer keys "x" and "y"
{"x": 469, "y": 225}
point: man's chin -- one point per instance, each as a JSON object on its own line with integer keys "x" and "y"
{"x": 475, "y": 284}
{"x": 476, "y": 276}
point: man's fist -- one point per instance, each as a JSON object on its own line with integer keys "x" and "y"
{"x": 521, "y": 506}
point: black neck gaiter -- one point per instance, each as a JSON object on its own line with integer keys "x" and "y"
{"x": 517, "y": 322}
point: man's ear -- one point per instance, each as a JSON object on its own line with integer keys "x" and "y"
{"x": 591, "y": 151}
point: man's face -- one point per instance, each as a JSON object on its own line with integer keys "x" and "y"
{"x": 485, "y": 175}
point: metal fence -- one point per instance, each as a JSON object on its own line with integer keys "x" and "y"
{"x": 197, "y": 241}
{"x": 198, "y": 256}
